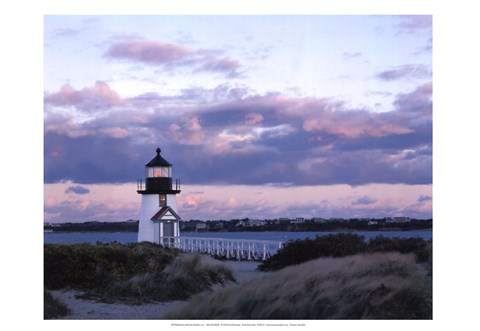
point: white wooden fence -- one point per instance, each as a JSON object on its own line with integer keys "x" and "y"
{"x": 239, "y": 249}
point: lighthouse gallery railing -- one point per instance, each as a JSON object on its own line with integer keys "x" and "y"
{"x": 240, "y": 249}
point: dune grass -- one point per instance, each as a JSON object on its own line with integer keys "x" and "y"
{"x": 365, "y": 286}
{"x": 132, "y": 273}
{"x": 186, "y": 276}
{"x": 344, "y": 244}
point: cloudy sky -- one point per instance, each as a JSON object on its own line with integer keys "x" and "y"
{"x": 261, "y": 116}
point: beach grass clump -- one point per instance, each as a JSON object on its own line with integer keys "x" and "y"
{"x": 187, "y": 275}
{"x": 132, "y": 273}
{"x": 88, "y": 266}
{"x": 52, "y": 307}
{"x": 364, "y": 286}
{"x": 344, "y": 244}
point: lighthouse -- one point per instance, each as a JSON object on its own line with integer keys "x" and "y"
{"x": 159, "y": 220}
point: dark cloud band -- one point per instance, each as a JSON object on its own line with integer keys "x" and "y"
{"x": 245, "y": 140}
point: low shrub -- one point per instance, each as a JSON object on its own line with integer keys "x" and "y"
{"x": 366, "y": 286}
{"x": 418, "y": 246}
{"x": 87, "y": 266}
{"x": 339, "y": 245}
{"x": 52, "y": 307}
{"x": 301, "y": 250}
{"x": 131, "y": 273}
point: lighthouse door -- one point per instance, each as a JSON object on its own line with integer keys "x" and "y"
{"x": 168, "y": 229}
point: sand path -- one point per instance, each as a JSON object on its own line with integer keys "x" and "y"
{"x": 91, "y": 310}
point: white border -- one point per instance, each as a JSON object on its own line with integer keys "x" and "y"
{"x": 455, "y": 129}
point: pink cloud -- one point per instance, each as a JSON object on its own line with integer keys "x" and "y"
{"x": 253, "y": 118}
{"x": 98, "y": 97}
{"x": 190, "y": 202}
{"x": 188, "y": 132}
{"x": 418, "y": 100}
{"x": 354, "y": 124}
{"x": 161, "y": 53}
{"x": 412, "y": 23}
{"x": 115, "y": 132}
{"x": 65, "y": 124}
{"x": 119, "y": 202}
{"x": 405, "y": 71}
{"x": 303, "y": 107}
{"x": 226, "y": 65}
{"x": 154, "y": 52}
{"x": 332, "y": 117}
{"x": 324, "y": 139}
{"x": 364, "y": 200}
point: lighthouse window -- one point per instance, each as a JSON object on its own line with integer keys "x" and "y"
{"x": 159, "y": 172}
{"x": 163, "y": 200}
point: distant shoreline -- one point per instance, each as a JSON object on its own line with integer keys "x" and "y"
{"x": 249, "y": 230}
{"x": 247, "y": 225}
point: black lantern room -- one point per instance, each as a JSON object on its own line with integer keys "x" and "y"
{"x": 158, "y": 177}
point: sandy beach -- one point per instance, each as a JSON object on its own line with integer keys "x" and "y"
{"x": 91, "y": 310}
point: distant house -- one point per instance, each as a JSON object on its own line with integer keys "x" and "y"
{"x": 200, "y": 226}
{"x": 194, "y": 225}
{"x": 298, "y": 220}
{"x": 401, "y": 219}
{"x": 372, "y": 222}
{"x": 188, "y": 226}
{"x": 256, "y": 222}
{"x": 51, "y": 225}
{"x": 241, "y": 223}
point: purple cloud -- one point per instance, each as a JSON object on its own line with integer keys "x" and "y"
{"x": 225, "y": 65}
{"x": 89, "y": 210}
{"x": 416, "y": 103}
{"x": 194, "y": 95}
{"x": 151, "y": 52}
{"x": 98, "y": 97}
{"x": 405, "y": 72}
{"x": 423, "y": 198}
{"x": 364, "y": 201}
{"x": 247, "y": 140}
{"x": 170, "y": 55}
{"x": 412, "y": 23}
{"x": 77, "y": 189}
{"x": 349, "y": 56}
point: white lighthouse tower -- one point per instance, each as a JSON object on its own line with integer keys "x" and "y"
{"x": 159, "y": 220}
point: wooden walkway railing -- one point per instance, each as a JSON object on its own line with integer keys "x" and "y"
{"x": 239, "y": 249}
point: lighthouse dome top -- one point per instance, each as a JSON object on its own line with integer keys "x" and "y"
{"x": 158, "y": 161}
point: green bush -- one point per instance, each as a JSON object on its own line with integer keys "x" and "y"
{"x": 301, "y": 250}
{"x": 344, "y": 244}
{"x": 420, "y": 247}
{"x": 132, "y": 273}
{"x": 87, "y": 266}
